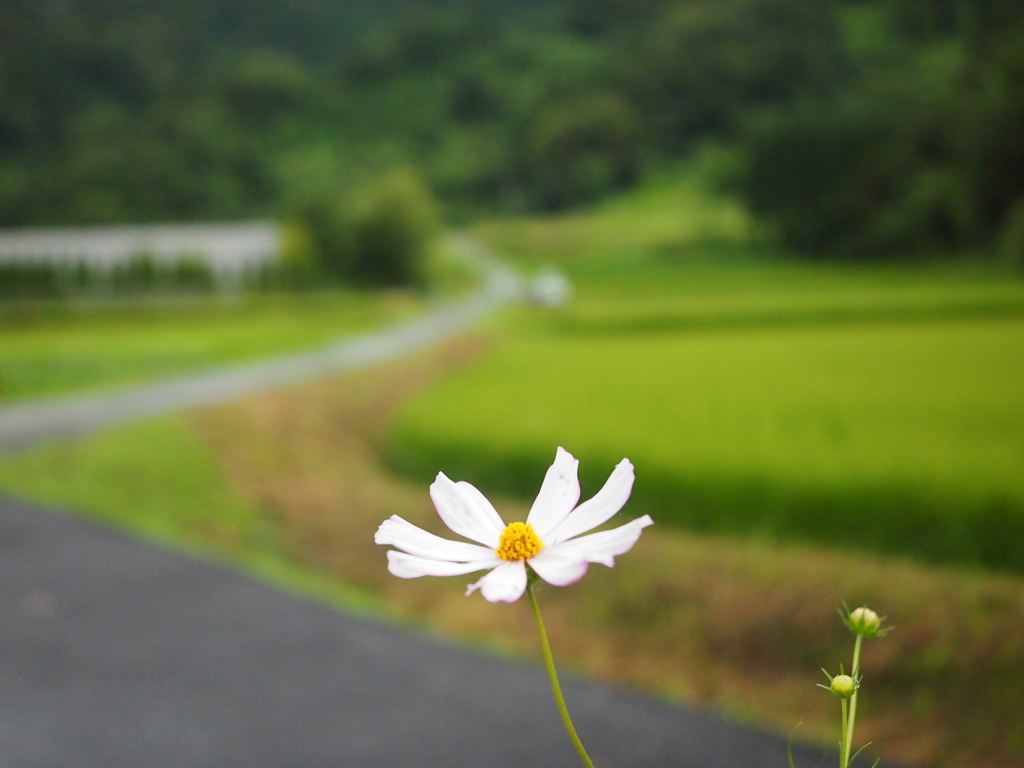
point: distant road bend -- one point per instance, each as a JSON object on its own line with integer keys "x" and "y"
{"x": 22, "y": 424}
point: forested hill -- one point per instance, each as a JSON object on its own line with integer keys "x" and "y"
{"x": 879, "y": 126}
{"x": 157, "y": 109}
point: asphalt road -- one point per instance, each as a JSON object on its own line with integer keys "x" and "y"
{"x": 118, "y": 654}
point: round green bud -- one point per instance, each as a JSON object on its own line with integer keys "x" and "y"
{"x": 864, "y": 621}
{"x": 843, "y": 686}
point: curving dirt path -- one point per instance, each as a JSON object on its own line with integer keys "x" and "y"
{"x": 22, "y": 424}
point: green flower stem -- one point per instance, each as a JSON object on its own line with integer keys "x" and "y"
{"x": 844, "y": 747}
{"x": 555, "y": 687}
{"x": 848, "y": 726}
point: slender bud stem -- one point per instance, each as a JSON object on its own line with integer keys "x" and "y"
{"x": 848, "y": 726}
{"x": 844, "y": 749}
{"x": 555, "y": 687}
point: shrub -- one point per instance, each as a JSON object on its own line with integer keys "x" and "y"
{"x": 1011, "y": 237}
{"x": 322, "y": 240}
{"x": 392, "y": 226}
{"x": 140, "y": 274}
{"x": 192, "y": 275}
{"x": 848, "y": 177}
{"x": 816, "y": 173}
{"x": 28, "y": 280}
{"x": 581, "y": 149}
{"x": 137, "y": 275}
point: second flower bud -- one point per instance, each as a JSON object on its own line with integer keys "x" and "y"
{"x": 843, "y": 686}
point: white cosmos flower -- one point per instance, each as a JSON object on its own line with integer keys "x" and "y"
{"x": 545, "y": 541}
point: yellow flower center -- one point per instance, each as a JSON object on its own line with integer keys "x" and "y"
{"x": 519, "y": 542}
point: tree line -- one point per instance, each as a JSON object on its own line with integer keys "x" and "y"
{"x": 868, "y": 128}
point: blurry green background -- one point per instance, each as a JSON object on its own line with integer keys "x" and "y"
{"x": 861, "y": 128}
{"x": 795, "y": 235}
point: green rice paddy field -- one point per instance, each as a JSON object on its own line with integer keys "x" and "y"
{"x": 873, "y": 407}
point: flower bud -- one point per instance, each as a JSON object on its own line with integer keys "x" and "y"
{"x": 864, "y": 621}
{"x": 843, "y": 686}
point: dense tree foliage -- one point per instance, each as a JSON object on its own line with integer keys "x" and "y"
{"x": 871, "y": 127}
{"x": 920, "y": 149}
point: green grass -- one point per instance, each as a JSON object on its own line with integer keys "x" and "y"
{"x": 51, "y": 348}
{"x": 735, "y": 289}
{"x": 159, "y": 479}
{"x": 667, "y": 218}
{"x": 874, "y": 407}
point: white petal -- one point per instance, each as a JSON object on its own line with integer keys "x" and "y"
{"x": 486, "y": 508}
{"x": 601, "y": 508}
{"x": 504, "y": 584}
{"x": 604, "y": 546}
{"x": 558, "y": 494}
{"x": 407, "y": 566}
{"x": 461, "y": 513}
{"x": 558, "y": 570}
{"x": 406, "y": 536}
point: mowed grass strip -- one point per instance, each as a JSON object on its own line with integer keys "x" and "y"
{"x": 52, "y": 348}
{"x": 162, "y": 481}
{"x": 899, "y": 437}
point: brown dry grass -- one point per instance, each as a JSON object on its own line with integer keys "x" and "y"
{"x": 739, "y": 625}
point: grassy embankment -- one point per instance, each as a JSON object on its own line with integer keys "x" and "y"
{"x": 52, "y": 347}
{"x": 290, "y": 485}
